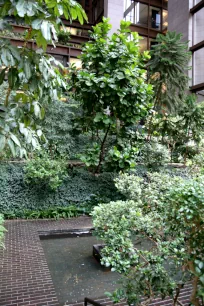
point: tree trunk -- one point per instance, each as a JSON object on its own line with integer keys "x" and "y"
{"x": 101, "y": 156}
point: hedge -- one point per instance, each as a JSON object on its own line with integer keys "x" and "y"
{"x": 78, "y": 188}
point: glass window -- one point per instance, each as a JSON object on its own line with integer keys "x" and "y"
{"x": 143, "y": 44}
{"x": 199, "y": 26}
{"x": 141, "y": 14}
{"x": 155, "y": 18}
{"x": 137, "y": 13}
{"x": 165, "y": 20}
{"x": 198, "y": 63}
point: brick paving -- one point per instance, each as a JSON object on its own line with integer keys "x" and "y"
{"x": 25, "y": 278}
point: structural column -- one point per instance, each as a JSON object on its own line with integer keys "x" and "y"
{"x": 114, "y": 9}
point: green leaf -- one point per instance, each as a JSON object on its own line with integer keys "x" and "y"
{"x": 12, "y": 147}
{"x": 2, "y": 142}
{"x": 15, "y": 140}
{"x": 2, "y": 75}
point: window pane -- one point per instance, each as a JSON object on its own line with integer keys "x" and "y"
{"x": 165, "y": 19}
{"x": 141, "y": 14}
{"x": 155, "y": 18}
{"x": 198, "y": 63}
{"x": 199, "y": 26}
{"x": 137, "y": 13}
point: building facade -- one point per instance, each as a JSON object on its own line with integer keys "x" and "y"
{"x": 187, "y": 17}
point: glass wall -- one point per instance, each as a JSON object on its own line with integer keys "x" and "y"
{"x": 143, "y": 15}
{"x": 137, "y": 13}
{"x": 197, "y": 67}
{"x": 155, "y": 18}
{"x": 198, "y": 26}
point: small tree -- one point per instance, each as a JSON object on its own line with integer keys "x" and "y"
{"x": 31, "y": 76}
{"x": 111, "y": 85}
{"x": 156, "y": 238}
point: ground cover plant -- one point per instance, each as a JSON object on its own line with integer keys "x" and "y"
{"x": 154, "y": 239}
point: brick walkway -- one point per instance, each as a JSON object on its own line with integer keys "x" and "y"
{"x": 25, "y": 279}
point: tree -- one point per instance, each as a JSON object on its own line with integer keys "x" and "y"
{"x": 168, "y": 71}
{"x": 32, "y": 79}
{"x": 111, "y": 85}
{"x": 155, "y": 239}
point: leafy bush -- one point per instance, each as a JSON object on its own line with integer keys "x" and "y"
{"x": 197, "y": 163}
{"x": 154, "y": 155}
{"x": 45, "y": 171}
{"x": 156, "y": 239}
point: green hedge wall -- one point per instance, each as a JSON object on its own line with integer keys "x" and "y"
{"x": 78, "y": 188}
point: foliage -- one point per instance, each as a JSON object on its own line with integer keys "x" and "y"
{"x": 31, "y": 75}
{"x": 154, "y": 155}
{"x": 111, "y": 85}
{"x": 50, "y": 213}
{"x": 181, "y": 133}
{"x": 155, "y": 239}
{"x": 197, "y": 163}
{"x": 167, "y": 71}
{"x": 46, "y": 171}
{"x": 57, "y": 127}
{"x": 63, "y": 37}
{"x": 2, "y": 231}
{"x": 79, "y": 188}
{"x": 121, "y": 158}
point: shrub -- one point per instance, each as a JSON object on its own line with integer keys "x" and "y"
{"x": 154, "y": 155}
{"x": 166, "y": 215}
{"x": 45, "y": 171}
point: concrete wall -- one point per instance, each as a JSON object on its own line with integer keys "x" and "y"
{"x": 114, "y": 9}
{"x": 178, "y": 17}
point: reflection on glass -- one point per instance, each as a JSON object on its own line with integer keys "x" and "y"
{"x": 143, "y": 44}
{"x": 198, "y": 63}
{"x": 165, "y": 19}
{"x": 137, "y": 13}
{"x": 75, "y": 61}
{"x": 141, "y": 14}
{"x": 155, "y": 18}
{"x": 198, "y": 26}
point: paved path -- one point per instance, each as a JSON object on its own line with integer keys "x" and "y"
{"x": 25, "y": 278}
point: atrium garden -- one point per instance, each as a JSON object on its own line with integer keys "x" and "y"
{"x": 101, "y": 166}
